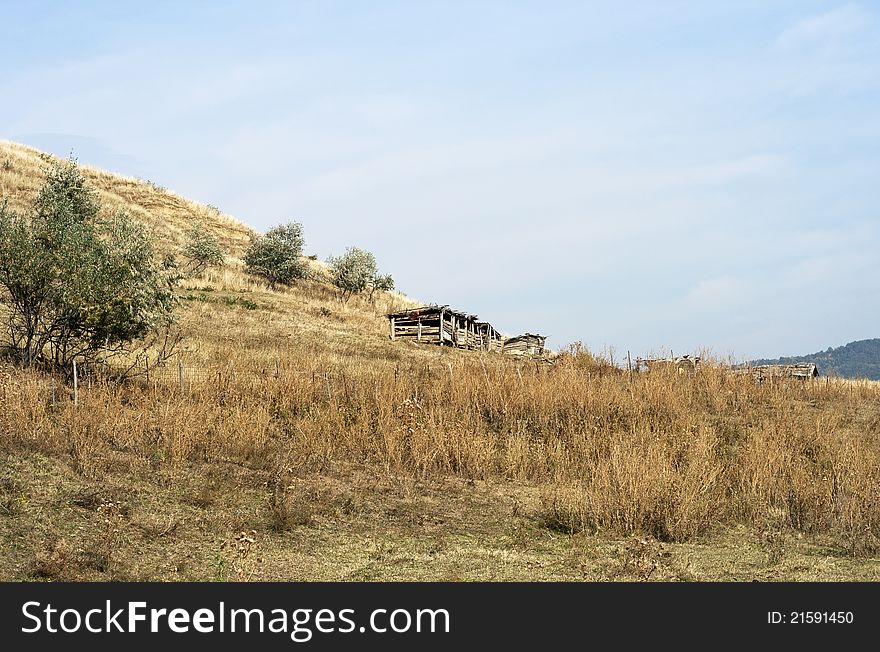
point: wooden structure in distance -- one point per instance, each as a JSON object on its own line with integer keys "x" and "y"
{"x": 445, "y": 326}
{"x": 526, "y": 344}
{"x": 684, "y": 364}
{"x": 764, "y": 372}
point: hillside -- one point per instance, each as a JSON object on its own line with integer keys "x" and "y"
{"x": 859, "y": 359}
{"x": 292, "y": 440}
{"x": 168, "y": 214}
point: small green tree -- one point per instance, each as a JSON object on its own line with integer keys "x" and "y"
{"x": 352, "y": 271}
{"x": 75, "y": 285}
{"x": 202, "y": 250}
{"x": 381, "y": 283}
{"x": 355, "y": 272}
{"x": 277, "y": 256}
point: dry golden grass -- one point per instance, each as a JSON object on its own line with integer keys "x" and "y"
{"x": 303, "y": 444}
{"x": 663, "y": 456}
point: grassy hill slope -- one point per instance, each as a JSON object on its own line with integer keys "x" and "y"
{"x": 293, "y": 440}
{"x": 168, "y": 214}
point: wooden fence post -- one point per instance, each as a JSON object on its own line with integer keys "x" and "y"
{"x": 75, "y": 385}
{"x": 629, "y": 366}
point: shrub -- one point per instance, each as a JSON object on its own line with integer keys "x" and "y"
{"x": 277, "y": 256}
{"x": 382, "y": 283}
{"x": 202, "y": 249}
{"x": 353, "y": 271}
{"x": 76, "y": 285}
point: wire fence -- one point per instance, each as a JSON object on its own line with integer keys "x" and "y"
{"x": 180, "y": 375}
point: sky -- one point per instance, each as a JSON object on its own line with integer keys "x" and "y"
{"x": 638, "y": 176}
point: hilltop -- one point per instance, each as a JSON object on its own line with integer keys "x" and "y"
{"x": 860, "y": 359}
{"x": 169, "y": 215}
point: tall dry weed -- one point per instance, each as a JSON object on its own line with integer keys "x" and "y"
{"x": 653, "y": 454}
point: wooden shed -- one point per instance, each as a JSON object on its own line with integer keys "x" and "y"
{"x": 490, "y": 339}
{"x": 525, "y": 344}
{"x": 801, "y": 371}
{"x": 444, "y": 326}
{"x": 684, "y": 364}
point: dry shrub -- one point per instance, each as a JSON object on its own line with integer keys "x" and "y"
{"x": 856, "y": 499}
{"x": 672, "y": 490}
{"x": 299, "y": 496}
{"x": 291, "y": 504}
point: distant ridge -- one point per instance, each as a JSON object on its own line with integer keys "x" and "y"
{"x": 859, "y": 359}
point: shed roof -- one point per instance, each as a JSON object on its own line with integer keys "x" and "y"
{"x": 527, "y": 336}
{"x": 429, "y": 310}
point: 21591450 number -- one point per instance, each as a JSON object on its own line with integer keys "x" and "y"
{"x": 810, "y": 617}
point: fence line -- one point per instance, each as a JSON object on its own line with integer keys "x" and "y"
{"x": 185, "y": 377}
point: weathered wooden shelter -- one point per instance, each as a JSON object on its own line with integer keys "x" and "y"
{"x": 684, "y": 364}
{"x": 490, "y": 339}
{"x": 444, "y": 326}
{"x": 525, "y": 344}
{"x": 761, "y": 373}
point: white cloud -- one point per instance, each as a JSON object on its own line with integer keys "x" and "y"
{"x": 823, "y": 29}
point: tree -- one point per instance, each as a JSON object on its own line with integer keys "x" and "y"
{"x": 277, "y": 256}
{"x": 75, "y": 285}
{"x": 353, "y": 271}
{"x": 382, "y": 283}
{"x": 356, "y": 271}
{"x": 203, "y": 250}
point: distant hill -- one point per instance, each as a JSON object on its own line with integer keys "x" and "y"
{"x": 854, "y": 360}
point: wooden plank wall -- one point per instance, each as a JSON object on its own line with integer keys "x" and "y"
{"x": 524, "y": 345}
{"x": 446, "y": 327}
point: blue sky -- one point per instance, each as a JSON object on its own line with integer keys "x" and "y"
{"x": 645, "y": 176}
